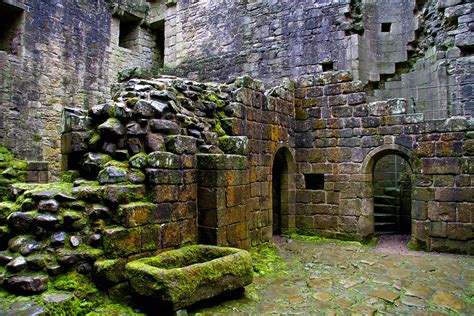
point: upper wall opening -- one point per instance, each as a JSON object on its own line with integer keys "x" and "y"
{"x": 129, "y": 31}
{"x": 11, "y": 21}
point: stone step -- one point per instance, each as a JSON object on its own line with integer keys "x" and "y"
{"x": 378, "y": 233}
{"x": 385, "y": 218}
{"x": 385, "y": 227}
{"x": 385, "y": 199}
{"x": 392, "y": 191}
{"x": 386, "y": 209}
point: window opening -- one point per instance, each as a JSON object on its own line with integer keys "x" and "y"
{"x": 386, "y": 27}
{"x": 314, "y": 181}
{"x": 10, "y": 28}
{"x": 328, "y": 66}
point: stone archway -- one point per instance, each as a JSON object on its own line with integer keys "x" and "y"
{"x": 390, "y": 201}
{"x": 283, "y": 191}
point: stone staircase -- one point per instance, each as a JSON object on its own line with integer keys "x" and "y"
{"x": 386, "y": 212}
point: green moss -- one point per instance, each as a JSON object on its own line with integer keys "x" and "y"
{"x": 160, "y": 275}
{"x": 218, "y": 129}
{"x": 74, "y": 282}
{"x": 131, "y": 101}
{"x": 312, "y": 238}
{"x": 18, "y": 164}
{"x": 94, "y": 138}
{"x": 117, "y": 164}
{"x": 266, "y": 261}
{"x": 300, "y": 114}
{"x": 70, "y": 176}
{"x": 54, "y": 187}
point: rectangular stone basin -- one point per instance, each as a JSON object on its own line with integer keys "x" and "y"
{"x": 179, "y": 278}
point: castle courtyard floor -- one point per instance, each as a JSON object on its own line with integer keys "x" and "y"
{"x": 347, "y": 278}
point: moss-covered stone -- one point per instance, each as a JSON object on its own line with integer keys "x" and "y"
{"x": 139, "y": 161}
{"x": 182, "y": 277}
{"x": 110, "y": 270}
{"x": 163, "y": 160}
{"x": 236, "y": 145}
{"x": 123, "y": 194}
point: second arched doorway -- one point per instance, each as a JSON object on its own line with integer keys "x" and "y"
{"x": 282, "y": 191}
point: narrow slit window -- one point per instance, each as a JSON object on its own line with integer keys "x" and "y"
{"x": 158, "y": 29}
{"x": 386, "y": 27}
{"x": 314, "y": 181}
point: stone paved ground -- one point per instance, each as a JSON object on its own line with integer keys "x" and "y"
{"x": 342, "y": 278}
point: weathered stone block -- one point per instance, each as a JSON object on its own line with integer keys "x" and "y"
{"x": 217, "y": 162}
{"x": 121, "y": 242}
{"x": 199, "y": 272}
{"x": 396, "y": 106}
{"x": 378, "y": 108}
{"x": 164, "y": 126}
{"x": 438, "y": 229}
{"x": 441, "y": 166}
{"x": 454, "y": 194}
{"x": 74, "y": 142}
{"x": 164, "y": 176}
{"x": 123, "y": 194}
{"x": 442, "y": 211}
{"x": 170, "y": 235}
{"x": 234, "y": 145}
{"x": 134, "y": 214}
{"x": 163, "y": 160}
{"x": 459, "y": 231}
{"x": 112, "y": 128}
{"x": 180, "y": 144}
{"x": 165, "y": 193}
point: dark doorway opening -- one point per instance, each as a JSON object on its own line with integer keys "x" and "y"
{"x": 279, "y": 190}
{"x": 392, "y": 195}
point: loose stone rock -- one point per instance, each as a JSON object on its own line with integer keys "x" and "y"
{"x": 16, "y": 265}
{"x": 27, "y": 284}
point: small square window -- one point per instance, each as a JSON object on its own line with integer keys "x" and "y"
{"x": 10, "y": 28}
{"x": 385, "y": 27}
{"x": 328, "y": 66}
{"x": 314, "y": 181}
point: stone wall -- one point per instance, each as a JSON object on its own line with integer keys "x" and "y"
{"x": 61, "y": 55}
{"x": 70, "y": 54}
{"x": 435, "y": 55}
{"x": 341, "y": 136}
{"x": 268, "y": 40}
{"x": 59, "y": 60}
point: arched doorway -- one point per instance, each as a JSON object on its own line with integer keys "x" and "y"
{"x": 282, "y": 191}
{"x": 392, "y": 195}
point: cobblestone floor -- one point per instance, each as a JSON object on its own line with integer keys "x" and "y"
{"x": 347, "y": 278}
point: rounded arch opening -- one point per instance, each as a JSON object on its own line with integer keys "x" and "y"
{"x": 391, "y": 182}
{"x": 282, "y": 191}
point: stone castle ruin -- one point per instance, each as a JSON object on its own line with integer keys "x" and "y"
{"x": 340, "y": 118}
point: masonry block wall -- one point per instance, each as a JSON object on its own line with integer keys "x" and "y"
{"x": 219, "y": 40}
{"x": 341, "y": 136}
{"x": 65, "y": 54}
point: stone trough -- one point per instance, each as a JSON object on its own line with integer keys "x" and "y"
{"x": 179, "y": 278}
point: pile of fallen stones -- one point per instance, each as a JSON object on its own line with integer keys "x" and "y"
{"x": 145, "y": 135}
